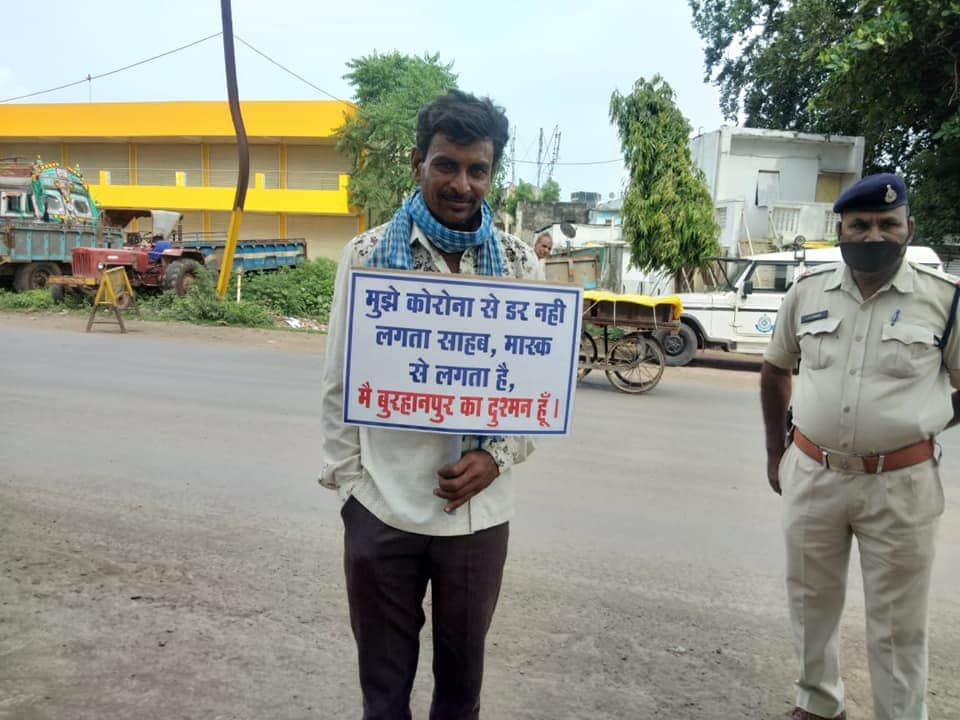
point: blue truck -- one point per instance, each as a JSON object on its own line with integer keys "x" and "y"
{"x": 251, "y": 255}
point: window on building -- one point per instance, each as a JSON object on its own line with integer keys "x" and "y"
{"x": 768, "y": 187}
{"x": 828, "y": 187}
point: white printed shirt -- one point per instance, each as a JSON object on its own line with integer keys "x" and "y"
{"x": 393, "y": 473}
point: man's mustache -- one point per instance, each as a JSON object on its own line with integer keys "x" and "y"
{"x": 453, "y": 197}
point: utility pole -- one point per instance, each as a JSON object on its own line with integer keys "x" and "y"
{"x": 513, "y": 157}
{"x": 243, "y": 151}
{"x": 539, "y": 159}
{"x": 555, "y": 157}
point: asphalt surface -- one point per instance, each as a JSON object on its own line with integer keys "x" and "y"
{"x": 165, "y": 551}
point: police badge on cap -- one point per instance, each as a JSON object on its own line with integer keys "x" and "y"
{"x": 874, "y": 192}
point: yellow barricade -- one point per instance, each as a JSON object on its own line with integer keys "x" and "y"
{"x": 115, "y": 294}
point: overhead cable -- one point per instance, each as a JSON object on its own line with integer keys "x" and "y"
{"x": 592, "y": 162}
{"x": 90, "y": 78}
{"x": 287, "y": 70}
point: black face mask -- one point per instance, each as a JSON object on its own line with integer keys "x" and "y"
{"x": 872, "y": 257}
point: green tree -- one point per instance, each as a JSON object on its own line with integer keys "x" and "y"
{"x": 498, "y": 189}
{"x": 388, "y": 91}
{"x": 885, "y": 69}
{"x": 668, "y": 216}
{"x": 550, "y": 192}
{"x": 523, "y": 192}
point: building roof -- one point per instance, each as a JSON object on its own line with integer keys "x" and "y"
{"x": 765, "y": 133}
{"x": 205, "y": 121}
{"x": 615, "y": 205}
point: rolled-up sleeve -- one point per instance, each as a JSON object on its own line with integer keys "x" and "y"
{"x": 508, "y": 450}
{"x": 341, "y": 442}
{"x": 784, "y": 349}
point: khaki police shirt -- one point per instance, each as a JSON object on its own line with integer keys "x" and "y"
{"x": 872, "y": 377}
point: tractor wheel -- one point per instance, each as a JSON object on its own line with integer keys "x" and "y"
{"x": 180, "y": 274}
{"x": 58, "y": 293}
{"x": 33, "y": 276}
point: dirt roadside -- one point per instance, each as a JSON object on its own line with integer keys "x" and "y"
{"x": 288, "y": 340}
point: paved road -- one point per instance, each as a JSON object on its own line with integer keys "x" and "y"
{"x": 166, "y": 552}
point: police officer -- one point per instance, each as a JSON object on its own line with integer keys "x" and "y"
{"x": 878, "y": 364}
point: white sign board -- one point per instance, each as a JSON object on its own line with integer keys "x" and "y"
{"x": 472, "y": 355}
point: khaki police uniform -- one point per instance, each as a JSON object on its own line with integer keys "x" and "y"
{"x": 873, "y": 379}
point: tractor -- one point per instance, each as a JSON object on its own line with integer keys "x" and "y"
{"x": 156, "y": 264}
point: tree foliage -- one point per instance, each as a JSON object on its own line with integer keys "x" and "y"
{"x": 550, "y": 192}
{"x": 885, "y": 69}
{"x": 523, "y": 192}
{"x": 527, "y": 192}
{"x": 388, "y": 91}
{"x": 668, "y": 215}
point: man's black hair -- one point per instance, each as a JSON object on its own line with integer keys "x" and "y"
{"x": 464, "y": 118}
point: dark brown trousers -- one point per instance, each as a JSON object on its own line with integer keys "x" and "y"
{"x": 387, "y": 573}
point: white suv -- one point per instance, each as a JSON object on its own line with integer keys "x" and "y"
{"x": 738, "y": 315}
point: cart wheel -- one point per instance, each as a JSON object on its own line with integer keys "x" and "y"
{"x": 587, "y": 357}
{"x": 643, "y": 363}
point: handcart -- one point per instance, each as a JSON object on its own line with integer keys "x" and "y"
{"x": 633, "y": 361}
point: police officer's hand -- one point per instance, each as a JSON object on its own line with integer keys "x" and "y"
{"x": 471, "y": 474}
{"x": 773, "y": 469}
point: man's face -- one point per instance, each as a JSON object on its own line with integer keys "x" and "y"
{"x": 543, "y": 246}
{"x": 872, "y": 242}
{"x": 876, "y": 226}
{"x": 454, "y": 178}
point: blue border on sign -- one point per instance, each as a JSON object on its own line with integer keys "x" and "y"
{"x": 356, "y": 274}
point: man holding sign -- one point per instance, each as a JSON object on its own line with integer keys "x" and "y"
{"x": 426, "y": 506}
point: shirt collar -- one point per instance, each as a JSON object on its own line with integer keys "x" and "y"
{"x": 417, "y": 236}
{"x": 903, "y": 281}
{"x": 466, "y": 259}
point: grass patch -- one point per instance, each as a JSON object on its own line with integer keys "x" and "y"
{"x": 26, "y": 301}
{"x": 305, "y": 291}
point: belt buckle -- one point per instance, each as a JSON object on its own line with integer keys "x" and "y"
{"x": 847, "y": 463}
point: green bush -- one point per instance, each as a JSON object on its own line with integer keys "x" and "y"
{"x": 77, "y": 301}
{"x": 200, "y": 305}
{"x": 27, "y": 301}
{"x": 303, "y": 291}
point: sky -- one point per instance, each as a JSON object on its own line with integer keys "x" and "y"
{"x": 547, "y": 63}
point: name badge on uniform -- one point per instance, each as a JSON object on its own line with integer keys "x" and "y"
{"x": 813, "y": 316}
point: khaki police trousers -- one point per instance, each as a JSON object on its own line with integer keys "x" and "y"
{"x": 894, "y": 516}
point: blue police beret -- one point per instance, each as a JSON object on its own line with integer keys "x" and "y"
{"x": 874, "y": 192}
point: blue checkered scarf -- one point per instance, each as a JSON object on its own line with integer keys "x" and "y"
{"x": 393, "y": 250}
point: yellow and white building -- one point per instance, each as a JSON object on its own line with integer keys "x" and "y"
{"x": 182, "y": 156}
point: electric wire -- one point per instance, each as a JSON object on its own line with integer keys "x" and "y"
{"x": 288, "y": 70}
{"x": 90, "y": 78}
{"x": 558, "y": 163}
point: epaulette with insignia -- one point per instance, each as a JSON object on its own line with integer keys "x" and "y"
{"x": 818, "y": 270}
{"x": 939, "y": 274}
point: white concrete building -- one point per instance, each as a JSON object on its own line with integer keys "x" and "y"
{"x": 769, "y": 186}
